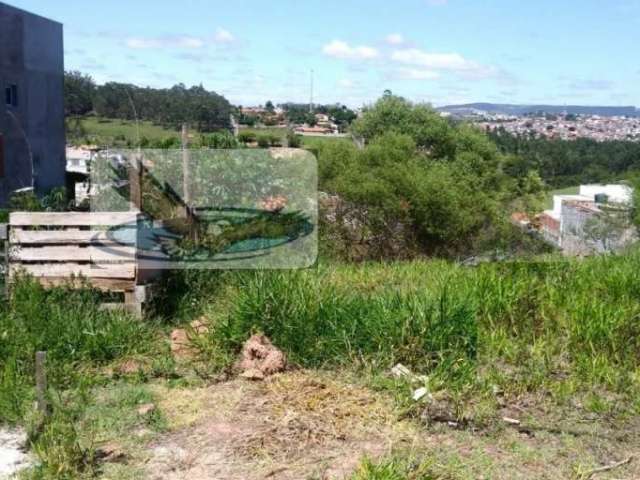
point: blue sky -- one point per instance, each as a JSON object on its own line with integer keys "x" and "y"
{"x": 439, "y": 51}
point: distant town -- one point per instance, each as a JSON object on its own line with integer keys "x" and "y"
{"x": 553, "y": 122}
{"x": 567, "y": 127}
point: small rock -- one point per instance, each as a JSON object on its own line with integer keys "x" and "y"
{"x": 260, "y": 354}
{"x": 252, "y": 374}
{"x": 146, "y": 409}
{"x": 200, "y": 326}
{"x": 180, "y": 344}
{"x": 111, "y": 452}
{"x": 400, "y": 370}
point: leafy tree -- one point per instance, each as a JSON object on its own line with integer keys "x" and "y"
{"x": 79, "y": 90}
{"x": 269, "y": 106}
{"x": 395, "y": 114}
{"x": 172, "y": 107}
{"x": 563, "y": 163}
{"x": 635, "y": 203}
{"x": 446, "y": 182}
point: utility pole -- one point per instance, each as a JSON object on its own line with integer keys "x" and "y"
{"x": 311, "y": 95}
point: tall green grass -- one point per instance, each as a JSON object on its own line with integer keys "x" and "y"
{"x": 77, "y": 336}
{"x": 320, "y": 323}
{"x": 541, "y": 321}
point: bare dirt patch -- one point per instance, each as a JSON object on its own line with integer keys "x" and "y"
{"x": 12, "y": 452}
{"x": 291, "y": 426}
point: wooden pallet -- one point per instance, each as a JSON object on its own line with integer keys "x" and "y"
{"x": 76, "y": 249}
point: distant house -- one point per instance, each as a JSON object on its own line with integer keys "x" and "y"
{"x": 594, "y": 220}
{"x": 32, "y": 134}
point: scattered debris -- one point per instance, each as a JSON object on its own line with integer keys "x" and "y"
{"x": 400, "y": 371}
{"x": 511, "y": 421}
{"x": 180, "y": 345}
{"x": 146, "y": 409}
{"x": 606, "y": 468}
{"x": 419, "y": 393}
{"x": 259, "y": 354}
{"x": 111, "y": 453}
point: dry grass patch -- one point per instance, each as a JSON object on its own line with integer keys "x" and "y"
{"x": 291, "y": 426}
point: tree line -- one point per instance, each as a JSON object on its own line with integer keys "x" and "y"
{"x": 565, "y": 163}
{"x": 204, "y": 110}
{"x": 299, "y": 113}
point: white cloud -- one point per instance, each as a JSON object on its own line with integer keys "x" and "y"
{"x": 224, "y": 36}
{"x": 443, "y": 61}
{"x": 140, "y": 43}
{"x": 452, "y": 62}
{"x": 417, "y": 74}
{"x": 340, "y": 49}
{"x": 346, "y": 83}
{"x": 167, "y": 41}
{"x": 395, "y": 39}
{"x": 221, "y": 36}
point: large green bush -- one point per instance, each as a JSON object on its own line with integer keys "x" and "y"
{"x": 445, "y": 182}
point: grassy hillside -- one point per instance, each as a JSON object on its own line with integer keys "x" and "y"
{"x": 549, "y": 341}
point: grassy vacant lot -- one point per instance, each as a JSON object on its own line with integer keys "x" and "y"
{"x": 530, "y": 370}
{"x": 111, "y": 131}
{"x": 548, "y": 202}
{"x": 105, "y": 131}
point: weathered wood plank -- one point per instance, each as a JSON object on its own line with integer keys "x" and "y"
{"x": 73, "y": 253}
{"x": 71, "y": 219}
{"x": 115, "y": 270}
{"x": 104, "y": 284}
{"x": 73, "y": 237}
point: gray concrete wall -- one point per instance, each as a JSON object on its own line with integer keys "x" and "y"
{"x": 31, "y": 57}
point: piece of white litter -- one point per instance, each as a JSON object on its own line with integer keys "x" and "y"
{"x": 419, "y": 393}
{"x": 400, "y": 371}
{"x": 511, "y": 421}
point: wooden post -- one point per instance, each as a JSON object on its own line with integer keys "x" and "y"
{"x": 186, "y": 169}
{"x": 135, "y": 189}
{"x": 41, "y": 382}
{"x": 4, "y": 237}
